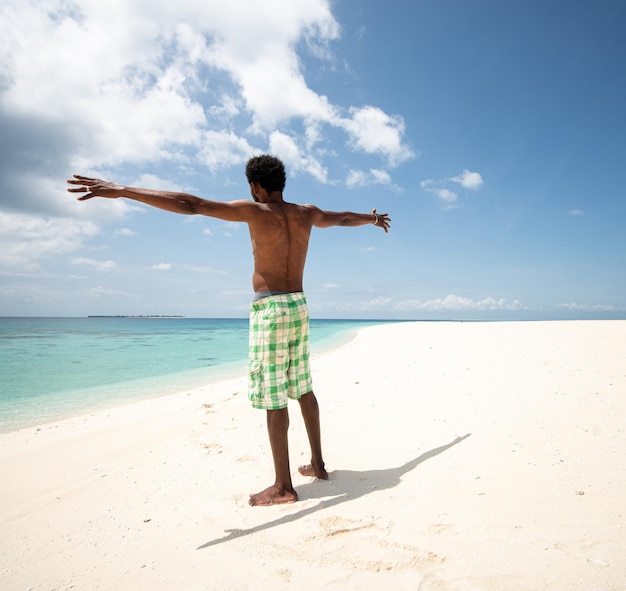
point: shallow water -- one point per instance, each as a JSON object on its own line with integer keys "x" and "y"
{"x": 56, "y": 367}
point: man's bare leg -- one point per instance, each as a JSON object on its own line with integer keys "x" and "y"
{"x": 282, "y": 490}
{"x": 311, "y": 415}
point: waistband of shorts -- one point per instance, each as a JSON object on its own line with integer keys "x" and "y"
{"x": 259, "y": 295}
{"x": 284, "y": 296}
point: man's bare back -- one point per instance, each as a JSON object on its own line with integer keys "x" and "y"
{"x": 280, "y": 240}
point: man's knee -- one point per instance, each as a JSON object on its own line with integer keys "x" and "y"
{"x": 308, "y": 399}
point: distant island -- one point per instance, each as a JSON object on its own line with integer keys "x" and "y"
{"x": 137, "y": 316}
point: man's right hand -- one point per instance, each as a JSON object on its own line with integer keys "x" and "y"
{"x": 94, "y": 187}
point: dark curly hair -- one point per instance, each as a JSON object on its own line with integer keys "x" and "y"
{"x": 268, "y": 171}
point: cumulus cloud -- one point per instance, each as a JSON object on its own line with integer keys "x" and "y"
{"x": 455, "y": 302}
{"x": 202, "y": 84}
{"x": 360, "y": 178}
{"x": 221, "y": 149}
{"x": 162, "y": 267}
{"x": 375, "y": 132}
{"x": 25, "y": 240}
{"x": 127, "y": 232}
{"x": 449, "y": 303}
{"x": 98, "y": 265}
{"x": 296, "y": 156}
{"x": 446, "y": 195}
{"x": 469, "y": 180}
{"x": 181, "y": 86}
{"x": 572, "y": 306}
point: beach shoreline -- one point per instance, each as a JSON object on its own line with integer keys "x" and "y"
{"x": 477, "y": 456}
{"x": 62, "y": 368}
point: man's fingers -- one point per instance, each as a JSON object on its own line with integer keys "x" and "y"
{"x": 87, "y": 186}
{"x": 82, "y": 190}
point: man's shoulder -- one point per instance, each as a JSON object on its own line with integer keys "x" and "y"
{"x": 308, "y": 211}
{"x": 250, "y": 208}
{"x": 306, "y": 207}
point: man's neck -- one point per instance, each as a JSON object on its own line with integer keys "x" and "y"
{"x": 273, "y": 197}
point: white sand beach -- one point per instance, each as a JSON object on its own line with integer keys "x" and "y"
{"x": 463, "y": 457}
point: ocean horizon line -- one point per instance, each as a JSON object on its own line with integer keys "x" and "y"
{"x": 552, "y": 318}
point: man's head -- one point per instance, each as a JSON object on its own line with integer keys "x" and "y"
{"x": 267, "y": 171}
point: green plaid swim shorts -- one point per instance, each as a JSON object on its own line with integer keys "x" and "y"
{"x": 279, "y": 350}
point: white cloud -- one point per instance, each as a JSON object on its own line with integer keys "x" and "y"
{"x": 285, "y": 147}
{"x": 193, "y": 84}
{"x": 591, "y": 307}
{"x": 257, "y": 50}
{"x": 446, "y": 195}
{"x": 455, "y": 302}
{"x": 153, "y": 181}
{"x": 360, "y": 178}
{"x": 98, "y": 265}
{"x": 576, "y": 212}
{"x": 227, "y": 109}
{"x": 357, "y": 178}
{"x": 26, "y": 239}
{"x": 373, "y": 131}
{"x": 377, "y": 303}
{"x": 108, "y": 292}
{"x": 450, "y": 303}
{"x": 469, "y": 180}
{"x": 220, "y": 149}
{"x": 127, "y": 232}
{"x": 162, "y": 267}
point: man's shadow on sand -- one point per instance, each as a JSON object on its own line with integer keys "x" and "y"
{"x": 361, "y": 483}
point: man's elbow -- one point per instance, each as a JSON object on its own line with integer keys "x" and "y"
{"x": 186, "y": 206}
{"x": 348, "y": 222}
{"x": 345, "y": 220}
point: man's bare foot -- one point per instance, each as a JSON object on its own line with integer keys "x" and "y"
{"x": 310, "y": 470}
{"x": 272, "y": 496}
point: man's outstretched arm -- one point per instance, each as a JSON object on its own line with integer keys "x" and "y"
{"x": 326, "y": 219}
{"x": 233, "y": 211}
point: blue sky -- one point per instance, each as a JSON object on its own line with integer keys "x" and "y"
{"x": 491, "y": 132}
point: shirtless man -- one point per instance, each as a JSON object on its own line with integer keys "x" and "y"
{"x": 279, "y": 323}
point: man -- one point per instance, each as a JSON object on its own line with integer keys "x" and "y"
{"x": 279, "y": 323}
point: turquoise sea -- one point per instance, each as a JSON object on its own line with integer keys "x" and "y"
{"x": 52, "y": 368}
